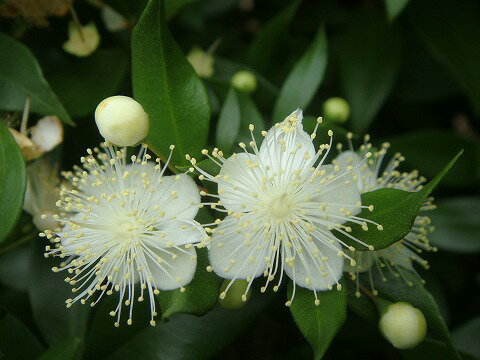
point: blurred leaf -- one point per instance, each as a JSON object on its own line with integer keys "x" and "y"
{"x": 452, "y": 30}
{"x": 397, "y": 289}
{"x": 269, "y": 43}
{"x": 48, "y": 292}
{"x": 394, "y": 8}
{"x": 21, "y": 76}
{"x": 238, "y": 112}
{"x": 168, "y": 88}
{"x": 369, "y": 61}
{"x": 432, "y": 349}
{"x": 303, "y": 81}
{"x": 188, "y": 337}
{"x": 65, "y": 350}
{"x": 83, "y": 83}
{"x": 200, "y": 295}
{"x": 362, "y": 306}
{"x": 13, "y": 180}
{"x": 14, "y": 271}
{"x": 426, "y": 150}
{"x": 16, "y": 340}
{"x": 457, "y": 224}
{"x": 466, "y": 337}
{"x": 395, "y": 210}
{"x": 319, "y": 324}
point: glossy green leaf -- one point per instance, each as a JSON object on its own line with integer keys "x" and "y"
{"x": 466, "y": 337}
{"x": 305, "y": 78}
{"x": 82, "y": 83}
{"x": 395, "y": 210}
{"x": 13, "y": 180}
{"x": 362, "y": 306}
{"x": 238, "y": 112}
{"x": 369, "y": 60}
{"x": 452, "y": 30}
{"x": 16, "y": 340}
{"x": 269, "y": 43}
{"x": 394, "y": 8}
{"x": 427, "y": 150}
{"x": 21, "y": 76}
{"x": 432, "y": 349}
{"x": 65, "y": 350}
{"x": 319, "y": 324}
{"x": 200, "y": 295}
{"x": 410, "y": 289}
{"x": 168, "y": 88}
{"x": 48, "y": 292}
{"x": 457, "y": 224}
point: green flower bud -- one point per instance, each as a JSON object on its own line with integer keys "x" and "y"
{"x": 121, "y": 120}
{"x": 235, "y": 297}
{"x": 244, "y": 81}
{"x": 403, "y": 325}
{"x": 336, "y": 109}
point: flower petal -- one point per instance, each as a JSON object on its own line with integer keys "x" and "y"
{"x": 230, "y": 255}
{"x": 311, "y": 271}
{"x": 286, "y": 144}
{"x": 183, "y": 232}
{"x": 361, "y": 174}
{"x": 241, "y": 178}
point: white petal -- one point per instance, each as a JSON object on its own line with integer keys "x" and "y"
{"x": 183, "y": 232}
{"x": 175, "y": 269}
{"x": 239, "y": 181}
{"x": 229, "y": 254}
{"x": 47, "y": 133}
{"x": 339, "y": 193}
{"x": 362, "y": 173}
{"x": 321, "y": 274}
{"x": 296, "y": 140}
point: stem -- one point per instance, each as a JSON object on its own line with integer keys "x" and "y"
{"x": 17, "y": 243}
{"x": 77, "y": 23}
{"x": 26, "y": 111}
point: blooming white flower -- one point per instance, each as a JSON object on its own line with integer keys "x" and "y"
{"x": 370, "y": 176}
{"x": 285, "y": 210}
{"x": 126, "y": 223}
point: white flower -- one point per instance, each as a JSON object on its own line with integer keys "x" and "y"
{"x": 82, "y": 40}
{"x": 41, "y": 193}
{"x": 371, "y": 176}
{"x": 285, "y": 210}
{"x": 126, "y": 223}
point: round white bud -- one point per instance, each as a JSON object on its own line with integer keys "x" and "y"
{"x": 244, "y": 81}
{"x": 403, "y": 325}
{"x": 336, "y": 109}
{"x": 121, "y": 120}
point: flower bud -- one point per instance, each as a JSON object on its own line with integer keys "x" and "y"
{"x": 403, "y": 325}
{"x": 244, "y": 81}
{"x": 336, "y": 109}
{"x": 201, "y": 61}
{"x": 83, "y": 40}
{"x": 234, "y": 298}
{"x": 121, "y": 120}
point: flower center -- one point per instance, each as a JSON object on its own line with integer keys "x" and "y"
{"x": 280, "y": 207}
{"x": 126, "y": 230}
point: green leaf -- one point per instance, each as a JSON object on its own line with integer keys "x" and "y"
{"x": 269, "y": 44}
{"x": 82, "y": 83}
{"x": 14, "y": 271}
{"x": 427, "y": 150}
{"x": 466, "y": 337}
{"x": 319, "y": 324}
{"x": 168, "y": 88}
{"x": 397, "y": 289}
{"x": 362, "y": 306}
{"x": 432, "y": 349}
{"x": 200, "y": 295}
{"x": 395, "y": 210}
{"x": 21, "y": 76}
{"x": 369, "y": 62}
{"x": 237, "y": 113}
{"x": 394, "y": 8}
{"x": 48, "y": 292}
{"x": 452, "y": 31}
{"x": 457, "y": 224}
{"x": 13, "y": 180}
{"x": 65, "y": 350}
{"x": 16, "y": 340}
{"x": 303, "y": 81}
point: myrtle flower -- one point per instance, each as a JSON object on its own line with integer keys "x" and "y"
{"x": 371, "y": 176}
{"x": 285, "y": 211}
{"x": 125, "y": 223}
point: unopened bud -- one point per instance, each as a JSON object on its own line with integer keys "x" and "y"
{"x": 244, "y": 81}
{"x": 403, "y": 325}
{"x": 122, "y": 121}
{"x": 336, "y": 109}
{"x": 235, "y": 298}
